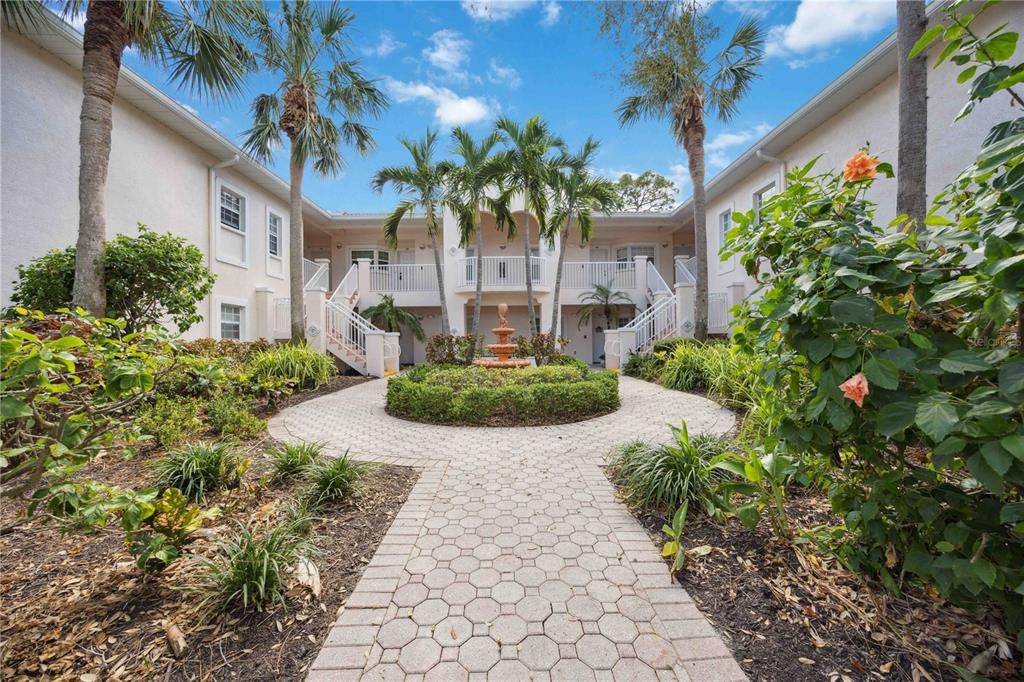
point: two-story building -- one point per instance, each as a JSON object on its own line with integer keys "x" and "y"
{"x": 172, "y": 171}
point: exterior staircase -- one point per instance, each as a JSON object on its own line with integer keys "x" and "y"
{"x": 352, "y": 338}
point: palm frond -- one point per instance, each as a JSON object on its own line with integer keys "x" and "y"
{"x": 27, "y": 14}
{"x": 264, "y": 136}
{"x": 394, "y": 219}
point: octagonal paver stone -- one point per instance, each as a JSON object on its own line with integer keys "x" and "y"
{"x": 634, "y": 670}
{"x": 618, "y": 628}
{"x": 485, "y": 577}
{"x": 572, "y": 670}
{"x": 453, "y": 631}
{"x": 419, "y": 656}
{"x": 459, "y": 593}
{"x": 509, "y": 671}
{"x": 396, "y": 633}
{"x": 439, "y": 578}
{"x": 636, "y": 609}
{"x": 654, "y": 651}
{"x": 563, "y": 628}
{"x": 597, "y": 651}
{"x": 508, "y": 629}
{"x": 430, "y": 612}
{"x": 538, "y": 652}
{"x": 482, "y": 610}
{"x": 585, "y": 608}
{"x": 447, "y": 671}
{"x": 479, "y": 654}
{"x": 555, "y": 591}
{"x": 533, "y": 609}
{"x": 507, "y": 592}
{"x": 409, "y": 595}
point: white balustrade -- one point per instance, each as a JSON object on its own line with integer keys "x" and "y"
{"x": 655, "y": 283}
{"x": 686, "y": 270}
{"x": 718, "y": 311}
{"x": 404, "y": 277}
{"x": 588, "y": 274}
{"x": 315, "y": 275}
{"x": 655, "y": 323}
{"x": 501, "y": 271}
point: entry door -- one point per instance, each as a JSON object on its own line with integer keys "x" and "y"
{"x": 598, "y": 336}
{"x": 406, "y": 341}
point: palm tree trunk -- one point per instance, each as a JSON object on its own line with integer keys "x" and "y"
{"x": 528, "y": 259}
{"x": 446, "y": 327}
{"x": 478, "y": 298}
{"x": 106, "y": 37}
{"x": 693, "y": 141}
{"x": 558, "y": 279}
{"x": 911, "y": 166}
{"x": 295, "y": 251}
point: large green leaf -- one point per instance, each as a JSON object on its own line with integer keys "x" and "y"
{"x": 896, "y": 417}
{"x": 882, "y": 372}
{"x": 1011, "y": 380}
{"x": 961, "y": 361}
{"x": 936, "y": 417}
{"x": 853, "y": 309}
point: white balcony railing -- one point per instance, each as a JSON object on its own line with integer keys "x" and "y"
{"x": 588, "y": 274}
{"x": 718, "y": 311}
{"x": 501, "y": 271}
{"x": 405, "y": 277}
{"x": 315, "y": 275}
{"x": 686, "y": 270}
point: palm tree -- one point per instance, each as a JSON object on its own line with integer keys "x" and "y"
{"x": 391, "y": 318}
{"x": 912, "y": 160}
{"x": 467, "y": 193}
{"x": 306, "y": 49}
{"x": 527, "y": 170}
{"x": 675, "y": 81}
{"x": 422, "y": 183}
{"x": 576, "y": 195}
{"x": 202, "y": 46}
{"x": 605, "y": 300}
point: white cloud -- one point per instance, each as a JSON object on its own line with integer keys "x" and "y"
{"x": 552, "y": 12}
{"x": 386, "y": 44}
{"x": 494, "y": 10}
{"x": 820, "y": 26}
{"x": 719, "y": 146}
{"x": 503, "y": 75}
{"x": 680, "y": 174}
{"x": 450, "y": 109}
{"x": 449, "y": 51}
{"x": 186, "y": 107}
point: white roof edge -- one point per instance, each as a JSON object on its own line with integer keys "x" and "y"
{"x": 213, "y": 141}
{"x": 885, "y": 49}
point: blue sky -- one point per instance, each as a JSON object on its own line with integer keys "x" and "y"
{"x": 464, "y": 63}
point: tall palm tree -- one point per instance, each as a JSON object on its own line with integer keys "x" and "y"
{"x": 391, "y": 318}
{"x": 202, "y": 46}
{"x": 422, "y": 183}
{"x": 305, "y": 48}
{"x": 468, "y": 184}
{"x": 527, "y": 170}
{"x": 604, "y": 300}
{"x": 675, "y": 80}
{"x": 912, "y": 159}
{"x": 576, "y": 195}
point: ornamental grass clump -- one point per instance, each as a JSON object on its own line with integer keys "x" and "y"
{"x": 333, "y": 479}
{"x": 199, "y": 469}
{"x": 308, "y": 367}
{"x": 252, "y": 568}
{"x": 292, "y": 459}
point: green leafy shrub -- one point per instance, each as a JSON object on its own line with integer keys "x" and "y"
{"x": 292, "y": 459}
{"x": 252, "y": 568}
{"x": 231, "y": 416}
{"x": 667, "y": 476}
{"x": 686, "y": 368}
{"x": 912, "y": 341}
{"x": 643, "y": 366}
{"x": 446, "y": 349}
{"x": 234, "y": 353}
{"x": 170, "y": 420}
{"x": 199, "y": 469}
{"x": 333, "y": 478}
{"x": 308, "y": 367}
{"x": 149, "y": 278}
{"x": 544, "y": 348}
{"x": 157, "y": 532}
{"x": 477, "y": 395}
{"x": 572, "y": 361}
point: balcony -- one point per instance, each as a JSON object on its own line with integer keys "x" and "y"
{"x": 585, "y": 275}
{"x": 501, "y": 273}
{"x": 396, "y": 279}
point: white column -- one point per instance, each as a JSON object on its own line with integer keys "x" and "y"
{"x": 612, "y": 353}
{"x": 364, "y": 276}
{"x": 685, "y": 313}
{"x": 737, "y": 292}
{"x": 642, "y": 285}
{"x": 375, "y": 353}
{"x": 326, "y": 263}
{"x": 264, "y": 313}
{"x": 394, "y": 341}
{"x": 627, "y": 344}
{"x": 316, "y": 318}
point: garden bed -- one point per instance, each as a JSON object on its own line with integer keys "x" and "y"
{"x": 476, "y": 396}
{"x": 75, "y": 605}
{"x": 789, "y": 613}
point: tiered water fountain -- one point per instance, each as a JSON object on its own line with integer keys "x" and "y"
{"x": 504, "y": 348}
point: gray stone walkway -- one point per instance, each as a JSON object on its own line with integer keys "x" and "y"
{"x": 512, "y": 559}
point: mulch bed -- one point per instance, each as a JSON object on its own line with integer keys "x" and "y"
{"x": 73, "y": 606}
{"x": 790, "y": 613}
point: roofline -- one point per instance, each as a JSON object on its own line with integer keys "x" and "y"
{"x": 883, "y": 50}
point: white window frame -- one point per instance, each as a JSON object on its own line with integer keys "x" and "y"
{"x": 376, "y": 254}
{"x": 282, "y": 242}
{"x": 219, "y": 303}
{"x": 728, "y": 264}
{"x": 221, "y": 227}
{"x": 757, "y": 198}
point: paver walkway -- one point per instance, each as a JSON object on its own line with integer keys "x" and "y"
{"x": 512, "y": 559}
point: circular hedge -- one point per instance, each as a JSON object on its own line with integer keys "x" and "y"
{"x": 477, "y": 396}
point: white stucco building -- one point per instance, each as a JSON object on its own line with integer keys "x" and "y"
{"x": 173, "y": 172}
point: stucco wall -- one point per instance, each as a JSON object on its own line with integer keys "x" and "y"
{"x": 155, "y": 177}
{"x": 872, "y": 119}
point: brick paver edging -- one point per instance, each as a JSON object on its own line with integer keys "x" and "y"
{"x": 512, "y": 558}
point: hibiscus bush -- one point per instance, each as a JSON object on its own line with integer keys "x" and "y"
{"x": 911, "y": 338}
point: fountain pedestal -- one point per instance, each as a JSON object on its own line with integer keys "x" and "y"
{"x": 503, "y": 349}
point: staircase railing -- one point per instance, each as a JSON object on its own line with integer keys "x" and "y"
{"x": 686, "y": 270}
{"x": 655, "y": 282}
{"x": 718, "y": 311}
{"x": 348, "y": 288}
{"x": 347, "y": 329}
{"x": 655, "y": 323}
{"x": 315, "y": 275}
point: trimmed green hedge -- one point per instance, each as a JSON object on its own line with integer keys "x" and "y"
{"x": 443, "y": 394}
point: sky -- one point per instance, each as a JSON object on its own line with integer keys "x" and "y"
{"x": 467, "y": 62}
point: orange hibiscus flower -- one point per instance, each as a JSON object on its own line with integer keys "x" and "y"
{"x": 855, "y": 388}
{"x": 860, "y": 166}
